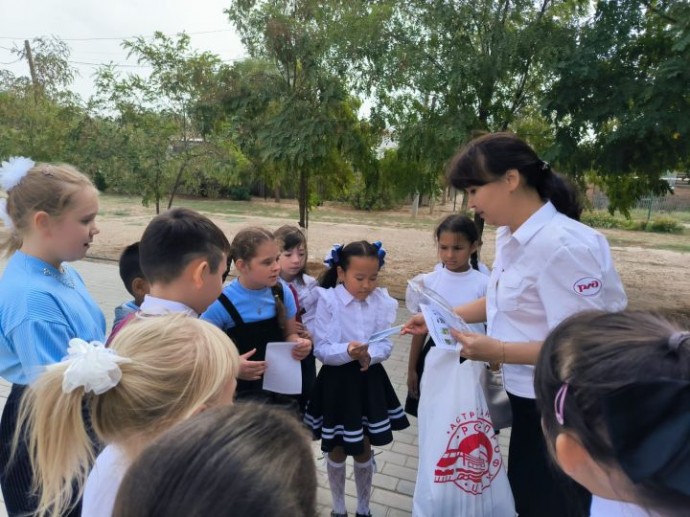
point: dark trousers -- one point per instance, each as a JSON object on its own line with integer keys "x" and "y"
{"x": 540, "y": 489}
{"x": 16, "y": 476}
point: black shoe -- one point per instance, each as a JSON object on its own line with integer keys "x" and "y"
{"x": 333, "y": 514}
{"x": 363, "y": 515}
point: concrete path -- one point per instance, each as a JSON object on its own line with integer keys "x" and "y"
{"x": 397, "y": 462}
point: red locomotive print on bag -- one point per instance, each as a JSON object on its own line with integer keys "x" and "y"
{"x": 473, "y": 456}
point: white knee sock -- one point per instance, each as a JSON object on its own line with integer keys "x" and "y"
{"x": 336, "y": 480}
{"x": 364, "y": 473}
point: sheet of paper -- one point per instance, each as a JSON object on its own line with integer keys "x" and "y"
{"x": 439, "y": 330}
{"x": 283, "y": 372}
{"x": 440, "y": 305}
{"x": 383, "y": 334}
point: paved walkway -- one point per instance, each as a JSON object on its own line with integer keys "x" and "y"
{"x": 397, "y": 462}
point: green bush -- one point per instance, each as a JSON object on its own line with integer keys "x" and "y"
{"x": 238, "y": 193}
{"x": 602, "y": 220}
{"x": 370, "y": 200}
{"x": 664, "y": 225}
{"x": 597, "y": 219}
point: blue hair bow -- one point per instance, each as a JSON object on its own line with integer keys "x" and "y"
{"x": 332, "y": 259}
{"x": 381, "y": 252}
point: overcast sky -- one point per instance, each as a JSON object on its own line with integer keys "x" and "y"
{"x": 82, "y": 22}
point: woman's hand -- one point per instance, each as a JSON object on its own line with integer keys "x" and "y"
{"x": 365, "y": 361}
{"x": 479, "y": 347}
{"x": 301, "y": 349}
{"x": 415, "y": 325}
{"x": 357, "y": 350}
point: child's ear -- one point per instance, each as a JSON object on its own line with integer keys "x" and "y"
{"x": 571, "y": 454}
{"x": 241, "y": 265}
{"x": 140, "y": 287}
{"x": 199, "y": 270}
{"x": 41, "y": 221}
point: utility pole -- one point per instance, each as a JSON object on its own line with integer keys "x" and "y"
{"x": 34, "y": 79}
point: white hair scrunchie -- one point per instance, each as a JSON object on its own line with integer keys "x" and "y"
{"x": 13, "y": 170}
{"x": 91, "y": 366}
{"x": 4, "y": 216}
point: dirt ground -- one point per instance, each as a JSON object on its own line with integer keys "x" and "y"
{"x": 654, "y": 278}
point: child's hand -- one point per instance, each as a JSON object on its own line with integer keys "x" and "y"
{"x": 478, "y": 347}
{"x": 251, "y": 370}
{"x": 302, "y": 331}
{"x": 365, "y": 361}
{"x": 415, "y": 326}
{"x": 413, "y": 383}
{"x": 357, "y": 350}
{"x": 301, "y": 349}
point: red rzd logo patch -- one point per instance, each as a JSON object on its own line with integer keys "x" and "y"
{"x": 587, "y": 286}
{"x": 473, "y": 457}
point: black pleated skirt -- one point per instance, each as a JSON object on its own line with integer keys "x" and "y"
{"x": 347, "y": 404}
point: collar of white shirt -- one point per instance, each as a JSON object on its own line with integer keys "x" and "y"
{"x": 344, "y": 295}
{"x": 154, "y": 306}
{"x": 534, "y": 223}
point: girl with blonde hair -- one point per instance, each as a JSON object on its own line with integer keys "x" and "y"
{"x": 159, "y": 371}
{"x": 49, "y": 217}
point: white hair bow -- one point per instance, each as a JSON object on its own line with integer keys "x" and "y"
{"x": 91, "y": 366}
{"x": 13, "y": 170}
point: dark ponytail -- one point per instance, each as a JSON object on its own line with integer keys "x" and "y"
{"x": 490, "y": 156}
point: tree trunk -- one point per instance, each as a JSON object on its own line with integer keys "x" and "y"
{"x": 303, "y": 198}
{"x": 415, "y": 205}
{"x": 276, "y": 193}
{"x": 178, "y": 180}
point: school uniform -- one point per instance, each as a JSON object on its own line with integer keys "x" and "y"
{"x": 608, "y": 508}
{"x": 249, "y": 318}
{"x": 41, "y": 309}
{"x": 103, "y": 483}
{"x": 121, "y": 311}
{"x": 550, "y": 268}
{"x": 151, "y": 306}
{"x": 303, "y": 291}
{"x": 348, "y": 404}
{"x": 457, "y": 288}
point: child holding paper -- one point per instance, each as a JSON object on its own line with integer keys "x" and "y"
{"x": 255, "y": 309}
{"x": 353, "y": 405}
{"x": 458, "y": 281}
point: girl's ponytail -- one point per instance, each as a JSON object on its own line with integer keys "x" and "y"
{"x": 58, "y": 443}
{"x": 329, "y": 278}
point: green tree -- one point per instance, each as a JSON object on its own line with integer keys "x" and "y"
{"x": 621, "y": 103}
{"x": 164, "y": 117}
{"x": 311, "y": 130}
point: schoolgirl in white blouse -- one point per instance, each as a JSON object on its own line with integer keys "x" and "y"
{"x": 353, "y": 404}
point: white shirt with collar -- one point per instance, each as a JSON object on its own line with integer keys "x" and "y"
{"x": 340, "y": 318}
{"x": 152, "y": 306}
{"x": 552, "y": 267}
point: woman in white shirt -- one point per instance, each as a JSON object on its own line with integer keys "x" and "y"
{"x": 548, "y": 266}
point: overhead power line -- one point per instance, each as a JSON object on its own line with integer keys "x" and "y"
{"x": 117, "y": 38}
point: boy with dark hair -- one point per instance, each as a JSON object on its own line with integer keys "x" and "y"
{"x": 134, "y": 280}
{"x": 184, "y": 257}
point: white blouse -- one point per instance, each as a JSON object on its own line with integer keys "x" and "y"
{"x": 306, "y": 296}
{"x": 103, "y": 483}
{"x": 455, "y": 288}
{"x": 608, "y": 508}
{"x": 552, "y": 267}
{"x": 340, "y": 318}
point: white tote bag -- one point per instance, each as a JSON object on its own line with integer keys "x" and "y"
{"x": 461, "y": 471}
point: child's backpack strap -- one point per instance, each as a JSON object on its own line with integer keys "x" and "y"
{"x": 232, "y": 310}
